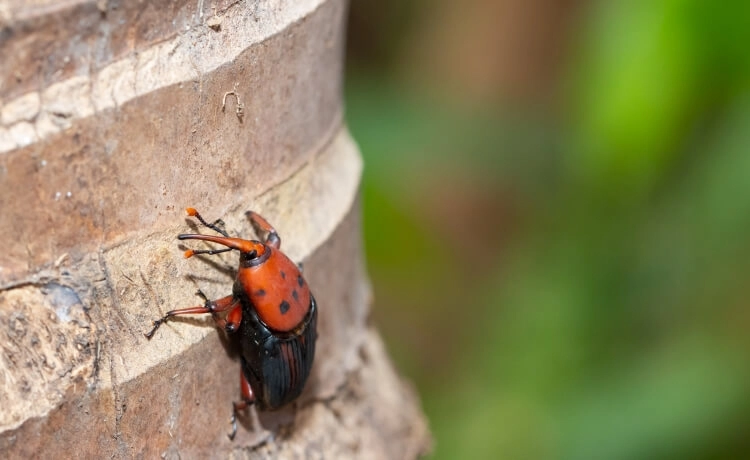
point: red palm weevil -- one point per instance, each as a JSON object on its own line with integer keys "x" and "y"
{"x": 272, "y": 310}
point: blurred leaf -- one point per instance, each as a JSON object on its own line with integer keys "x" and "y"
{"x": 635, "y": 89}
{"x": 661, "y": 406}
{"x": 599, "y": 330}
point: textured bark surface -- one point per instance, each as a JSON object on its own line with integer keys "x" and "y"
{"x": 114, "y": 118}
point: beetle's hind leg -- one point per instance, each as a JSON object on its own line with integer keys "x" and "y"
{"x": 247, "y": 400}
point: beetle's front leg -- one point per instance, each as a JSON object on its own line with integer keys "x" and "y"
{"x": 233, "y": 319}
{"x": 261, "y": 224}
{"x": 212, "y": 307}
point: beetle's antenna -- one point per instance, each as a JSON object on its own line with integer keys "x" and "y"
{"x": 192, "y": 212}
{"x": 194, "y": 252}
{"x": 215, "y": 226}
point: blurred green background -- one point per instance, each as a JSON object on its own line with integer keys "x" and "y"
{"x": 557, "y": 220}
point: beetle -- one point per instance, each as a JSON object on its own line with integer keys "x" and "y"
{"x": 272, "y": 310}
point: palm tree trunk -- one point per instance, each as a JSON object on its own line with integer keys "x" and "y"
{"x": 114, "y": 117}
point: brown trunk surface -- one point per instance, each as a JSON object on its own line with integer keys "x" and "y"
{"x": 114, "y": 117}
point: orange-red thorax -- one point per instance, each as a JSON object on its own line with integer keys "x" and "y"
{"x": 277, "y": 290}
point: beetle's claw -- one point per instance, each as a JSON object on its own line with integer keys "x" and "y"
{"x": 233, "y": 421}
{"x": 157, "y": 323}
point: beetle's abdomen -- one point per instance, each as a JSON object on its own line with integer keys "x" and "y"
{"x": 277, "y": 365}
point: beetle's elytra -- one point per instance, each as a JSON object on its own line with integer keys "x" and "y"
{"x": 272, "y": 310}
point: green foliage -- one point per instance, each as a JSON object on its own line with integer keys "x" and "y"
{"x": 596, "y": 305}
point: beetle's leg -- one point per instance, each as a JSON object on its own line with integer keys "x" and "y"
{"x": 202, "y": 295}
{"x": 233, "y": 319}
{"x": 261, "y": 225}
{"x": 231, "y": 322}
{"x": 213, "y": 307}
{"x": 247, "y": 399}
{"x": 213, "y": 226}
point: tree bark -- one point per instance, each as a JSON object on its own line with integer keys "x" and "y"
{"x": 114, "y": 118}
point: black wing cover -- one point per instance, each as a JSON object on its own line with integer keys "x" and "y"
{"x": 277, "y": 365}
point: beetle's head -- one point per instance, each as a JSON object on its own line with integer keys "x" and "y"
{"x": 255, "y": 256}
